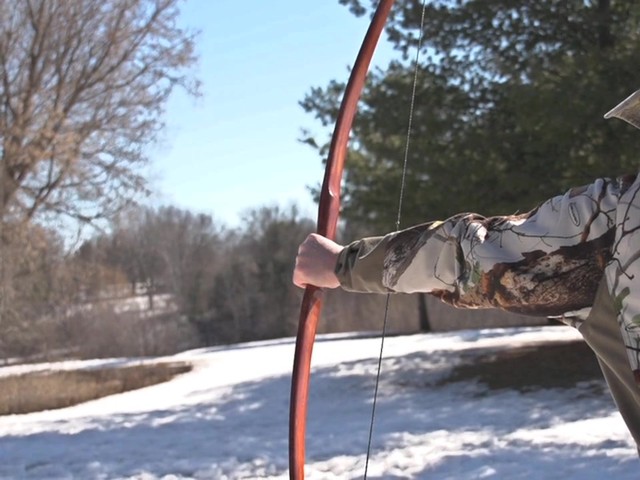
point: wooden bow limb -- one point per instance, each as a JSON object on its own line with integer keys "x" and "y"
{"x": 328, "y": 212}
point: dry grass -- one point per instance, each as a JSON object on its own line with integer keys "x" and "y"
{"x": 557, "y": 365}
{"x": 49, "y": 390}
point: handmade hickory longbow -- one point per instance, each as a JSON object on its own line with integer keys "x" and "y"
{"x": 328, "y": 211}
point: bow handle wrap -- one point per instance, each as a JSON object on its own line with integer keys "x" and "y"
{"x": 328, "y": 213}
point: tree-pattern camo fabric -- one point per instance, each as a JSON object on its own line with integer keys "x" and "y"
{"x": 547, "y": 262}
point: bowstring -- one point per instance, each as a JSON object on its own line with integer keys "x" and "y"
{"x": 405, "y": 163}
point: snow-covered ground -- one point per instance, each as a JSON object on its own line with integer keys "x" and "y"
{"x": 227, "y": 419}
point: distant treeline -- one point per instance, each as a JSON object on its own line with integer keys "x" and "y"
{"x": 224, "y": 285}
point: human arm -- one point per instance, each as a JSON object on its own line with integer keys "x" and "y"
{"x": 545, "y": 262}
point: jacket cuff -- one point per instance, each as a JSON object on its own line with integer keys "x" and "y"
{"x": 360, "y": 266}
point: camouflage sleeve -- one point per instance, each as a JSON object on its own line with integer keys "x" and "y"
{"x": 545, "y": 262}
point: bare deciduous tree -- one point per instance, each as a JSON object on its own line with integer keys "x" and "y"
{"x": 83, "y": 84}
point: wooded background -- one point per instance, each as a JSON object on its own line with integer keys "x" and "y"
{"x": 508, "y": 112}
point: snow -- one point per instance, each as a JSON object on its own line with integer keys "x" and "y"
{"x": 227, "y": 419}
{"x": 139, "y": 304}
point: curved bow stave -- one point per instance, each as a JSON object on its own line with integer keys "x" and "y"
{"x": 328, "y": 213}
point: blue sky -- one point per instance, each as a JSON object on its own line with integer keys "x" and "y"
{"x": 236, "y": 147}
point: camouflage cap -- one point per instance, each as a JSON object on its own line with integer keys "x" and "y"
{"x": 627, "y": 110}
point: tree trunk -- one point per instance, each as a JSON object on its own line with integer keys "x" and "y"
{"x": 605, "y": 38}
{"x": 151, "y": 288}
{"x": 423, "y": 315}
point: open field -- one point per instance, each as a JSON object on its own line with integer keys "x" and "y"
{"x": 493, "y": 404}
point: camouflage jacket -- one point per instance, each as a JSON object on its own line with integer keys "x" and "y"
{"x": 547, "y": 262}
